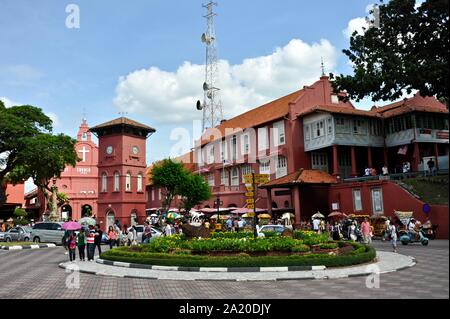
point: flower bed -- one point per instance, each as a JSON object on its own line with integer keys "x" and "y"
{"x": 234, "y": 250}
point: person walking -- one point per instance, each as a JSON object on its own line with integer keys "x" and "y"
{"x": 336, "y": 231}
{"x": 366, "y": 230}
{"x": 71, "y": 245}
{"x": 316, "y": 225}
{"x": 98, "y": 239}
{"x": 392, "y": 236}
{"x": 431, "y": 167}
{"x": 91, "y": 243}
{"x": 81, "y": 243}
{"x": 147, "y": 234}
{"x": 168, "y": 230}
{"x": 111, "y": 236}
{"x": 352, "y": 232}
{"x": 240, "y": 224}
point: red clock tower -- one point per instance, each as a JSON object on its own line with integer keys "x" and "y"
{"x": 121, "y": 171}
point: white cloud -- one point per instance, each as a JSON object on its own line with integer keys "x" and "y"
{"x": 54, "y": 118}
{"x": 29, "y": 185}
{"x": 357, "y": 24}
{"x": 170, "y": 97}
{"x": 8, "y": 102}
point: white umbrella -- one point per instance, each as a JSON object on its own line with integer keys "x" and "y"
{"x": 317, "y": 215}
{"x": 153, "y": 215}
{"x": 87, "y": 221}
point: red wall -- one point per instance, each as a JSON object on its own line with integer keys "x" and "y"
{"x": 394, "y": 198}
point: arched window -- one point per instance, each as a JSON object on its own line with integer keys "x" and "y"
{"x": 116, "y": 181}
{"x": 104, "y": 182}
{"x": 235, "y": 177}
{"x": 139, "y": 182}
{"x": 128, "y": 182}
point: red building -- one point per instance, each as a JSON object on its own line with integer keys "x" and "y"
{"x": 121, "y": 171}
{"x": 79, "y": 183}
{"x": 14, "y": 199}
{"x": 310, "y": 131}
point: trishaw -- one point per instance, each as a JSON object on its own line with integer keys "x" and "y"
{"x": 407, "y": 237}
{"x": 379, "y": 225}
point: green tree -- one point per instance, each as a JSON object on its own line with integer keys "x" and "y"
{"x": 168, "y": 175}
{"x": 408, "y": 51}
{"x": 19, "y": 125}
{"x": 20, "y": 217}
{"x": 46, "y": 157}
{"x": 194, "y": 190}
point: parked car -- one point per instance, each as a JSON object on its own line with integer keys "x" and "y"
{"x": 2, "y": 236}
{"x": 140, "y": 230}
{"x": 19, "y": 233}
{"x": 47, "y": 232}
{"x": 277, "y": 228}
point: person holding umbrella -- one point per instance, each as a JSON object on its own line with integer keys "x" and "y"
{"x": 70, "y": 241}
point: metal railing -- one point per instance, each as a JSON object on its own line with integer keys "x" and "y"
{"x": 396, "y": 176}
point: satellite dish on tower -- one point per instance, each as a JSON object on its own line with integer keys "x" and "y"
{"x": 199, "y": 105}
{"x": 206, "y": 39}
{"x": 205, "y": 87}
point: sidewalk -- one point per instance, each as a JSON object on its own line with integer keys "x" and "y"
{"x": 386, "y": 262}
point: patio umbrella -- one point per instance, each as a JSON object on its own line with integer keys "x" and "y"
{"x": 153, "y": 215}
{"x": 173, "y": 215}
{"x": 89, "y": 221}
{"x": 338, "y": 215}
{"x": 71, "y": 226}
{"x": 288, "y": 216}
{"x": 264, "y": 216}
{"x": 248, "y": 215}
{"x": 317, "y": 215}
{"x": 222, "y": 217}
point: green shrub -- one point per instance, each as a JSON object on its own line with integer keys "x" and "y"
{"x": 239, "y": 261}
{"x": 232, "y": 235}
{"x": 311, "y": 237}
{"x": 328, "y": 246}
{"x": 270, "y": 233}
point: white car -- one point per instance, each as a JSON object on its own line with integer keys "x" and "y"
{"x": 140, "y": 230}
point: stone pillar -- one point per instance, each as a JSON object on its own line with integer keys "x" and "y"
{"x": 353, "y": 157}
{"x": 436, "y": 154}
{"x": 296, "y": 204}
{"x": 369, "y": 157}
{"x": 335, "y": 161}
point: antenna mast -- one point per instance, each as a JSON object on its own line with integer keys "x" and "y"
{"x": 212, "y": 105}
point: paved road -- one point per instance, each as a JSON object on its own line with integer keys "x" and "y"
{"x": 35, "y": 274}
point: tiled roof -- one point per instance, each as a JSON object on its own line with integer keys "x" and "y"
{"x": 417, "y": 103}
{"x": 303, "y": 176}
{"x": 122, "y": 121}
{"x": 260, "y": 115}
{"x": 339, "y": 110}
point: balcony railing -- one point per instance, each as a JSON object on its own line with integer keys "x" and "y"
{"x": 397, "y": 176}
{"x": 224, "y": 189}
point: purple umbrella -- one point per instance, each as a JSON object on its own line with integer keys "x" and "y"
{"x": 71, "y": 226}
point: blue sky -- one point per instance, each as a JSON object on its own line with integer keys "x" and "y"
{"x": 127, "y": 53}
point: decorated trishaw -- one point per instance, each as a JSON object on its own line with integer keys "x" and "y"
{"x": 378, "y": 223}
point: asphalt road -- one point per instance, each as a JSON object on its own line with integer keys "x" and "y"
{"x": 35, "y": 274}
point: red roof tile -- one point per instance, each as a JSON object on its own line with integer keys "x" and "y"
{"x": 122, "y": 121}
{"x": 303, "y": 176}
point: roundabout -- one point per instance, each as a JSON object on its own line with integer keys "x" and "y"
{"x": 386, "y": 262}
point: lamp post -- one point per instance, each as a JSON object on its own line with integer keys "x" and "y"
{"x": 54, "y": 214}
{"x": 218, "y": 208}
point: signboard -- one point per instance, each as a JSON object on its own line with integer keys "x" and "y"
{"x": 250, "y": 206}
{"x": 249, "y": 194}
{"x": 250, "y": 201}
{"x": 262, "y": 178}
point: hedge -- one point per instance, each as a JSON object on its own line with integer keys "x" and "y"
{"x": 359, "y": 256}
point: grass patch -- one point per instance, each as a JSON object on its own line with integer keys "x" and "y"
{"x": 431, "y": 190}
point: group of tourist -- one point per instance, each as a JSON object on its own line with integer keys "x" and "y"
{"x": 88, "y": 239}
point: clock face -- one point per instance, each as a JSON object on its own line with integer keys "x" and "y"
{"x": 109, "y": 150}
{"x": 135, "y": 150}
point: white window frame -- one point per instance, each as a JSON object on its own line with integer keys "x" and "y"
{"x": 116, "y": 181}
{"x": 377, "y": 207}
{"x": 319, "y": 129}
{"x": 160, "y": 194}
{"x": 128, "y": 182}
{"x": 104, "y": 182}
{"x": 264, "y": 167}
{"x": 281, "y": 166}
{"x": 263, "y": 138}
{"x": 330, "y": 126}
{"x": 234, "y": 147}
{"x": 357, "y": 200}
{"x": 139, "y": 182}
{"x": 245, "y": 170}
{"x": 224, "y": 177}
{"x": 279, "y": 136}
{"x": 307, "y": 132}
{"x": 235, "y": 176}
{"x": 245, "y": 144}
{"x": 210, "y": 152}
{"x": 224, "y": 151}
{"x": 153, "y": 194}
